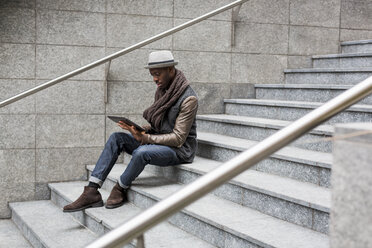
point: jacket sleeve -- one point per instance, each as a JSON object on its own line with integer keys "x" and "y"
{"x": 181, "y": 128}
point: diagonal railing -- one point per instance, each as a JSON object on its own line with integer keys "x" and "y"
{"x": 119, "y": 53}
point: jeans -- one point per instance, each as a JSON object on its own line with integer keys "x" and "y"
{"x": 141, "y": 156}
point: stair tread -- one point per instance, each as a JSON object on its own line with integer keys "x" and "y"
{"x": 305, "y": 194}
{"x": 315, "y": 158}
{"x": 112, "y": 218}
{"x": 62, "y": 231}
{"x": 342, "y": 55}
{"x": 244, "y": 222}
{"x": 10, "y": 236}
{"x": 261, "y": 122}
{"x": 304, "y": 86}
{"x": 295, "y": 104}
{"x": 328, "y": 70}
{"x": 356, "y": 42}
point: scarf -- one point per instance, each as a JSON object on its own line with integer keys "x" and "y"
{"x": 164, "y": 99}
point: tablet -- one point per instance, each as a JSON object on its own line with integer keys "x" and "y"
{"x": 126, "y": 121}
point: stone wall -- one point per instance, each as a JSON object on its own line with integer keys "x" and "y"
{"x": 51, "y": 136}
{"x": 351, "y": 213}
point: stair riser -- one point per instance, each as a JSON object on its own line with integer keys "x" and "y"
{"x": 281, "y": 167}
{"x": 265, "y": 203}
{"x": 309, "y": 95}
{"x": 342, "y": 62}
{"x": 291, "y": 113}
{"x": 260, "y": 133}
{"x": 361, "y": 48}
{"x": 326, "y": 78}
{"x": 27, "y": 232}
{"x": 82, "y": 217}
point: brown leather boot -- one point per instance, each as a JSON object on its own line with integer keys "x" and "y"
{"x": 117, "y": 198}
{"x": 90, "y": 198}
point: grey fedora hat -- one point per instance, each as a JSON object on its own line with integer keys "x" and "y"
{"x": 160, "y": 59}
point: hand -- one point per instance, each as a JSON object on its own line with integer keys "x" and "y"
{"x": 138, "y": 135}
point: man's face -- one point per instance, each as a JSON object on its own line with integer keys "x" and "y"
{"x": 161, "y": 77}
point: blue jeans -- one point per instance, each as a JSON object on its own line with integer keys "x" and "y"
{"x": 141, "y": 156}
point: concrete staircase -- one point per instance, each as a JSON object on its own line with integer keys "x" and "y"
{"x": 284, "y": 201}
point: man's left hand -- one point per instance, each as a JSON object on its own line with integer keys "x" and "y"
{"x": 138, "y": 135}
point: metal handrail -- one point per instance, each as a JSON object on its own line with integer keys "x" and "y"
{"x": 205, "y": 184}
{"x": 120, "y": 53}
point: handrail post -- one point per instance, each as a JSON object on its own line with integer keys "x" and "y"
{"x": 107, "y": 70}
{"x": 234, "y": 19}
{"x": 141, "y": 241}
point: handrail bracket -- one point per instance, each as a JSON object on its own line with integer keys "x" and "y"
{"x": 234, "y": 19}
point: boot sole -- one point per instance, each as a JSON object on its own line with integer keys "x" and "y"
{"x": 115, "y": 205}
{"x": 94, "y": 205}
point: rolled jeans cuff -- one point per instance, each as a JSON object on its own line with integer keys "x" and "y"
{"x": 122, "y": 185}
{"x": 96, "y": 180}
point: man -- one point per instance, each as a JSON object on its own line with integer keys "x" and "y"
{"x": 169, "y": 140}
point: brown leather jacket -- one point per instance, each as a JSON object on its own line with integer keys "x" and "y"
{"x": 181, "y": 128}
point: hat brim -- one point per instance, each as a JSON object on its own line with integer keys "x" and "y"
{"x": 161, "y": 65}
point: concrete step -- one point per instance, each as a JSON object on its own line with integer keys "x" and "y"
{"x": 303, "y": 92}
{"x": 10, "y": 236}
{"x": 345, "y": 60}
{"x": 222, "y": 222}
{"x": 102, "y": 220}
{"x": 326, "y": 76}
{"x": 296, "y": 163}
{"x": 292, "y": 110}
{"x": 269, "y": 194}
{"x": 45, "y": 225}
{"x": 358, "y": 46}
{"x": 259, "y": 128}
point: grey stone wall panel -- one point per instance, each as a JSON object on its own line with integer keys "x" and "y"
{"x": 127, "y": 30}
{"x": 141, "y": 7}
{"x": 17, "y": 131}
{"x": 12, "y": 87}
{"x": 205, "y": 36}
{"x": 72, "y": 28}
{"x": 258, "y": 69}
{"x": 130, "y": 97}
{"x": 81, "y": 5}
{"x": 265, "y": 11}
{"x": 299, "y": 62}
{"x": 242, "y": 91}
{"x": 65, "y": 131}
{"x": 17, "y": 60}
{"x": 72, "y": 97}
{"x": 350, "y": 34}
{"x": 22, "y": 169}
{"x": 258, "y": 38}
{"x": 204, "y": 67}
{"x": 211, "y": 97}
{"x": 194, "y": 8}
{"x": 313, "y": 40}
{"x": 64, "y": 164}
{"x": 54, "y": 61}
{"x": 15, "y": 192}
{"x": 17, "y": 4}
{"x": 324, "y": 13}
{"x": 130, "y": 67}
{"x": 17, "y": 25}
{"x": 356, "y": 14}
